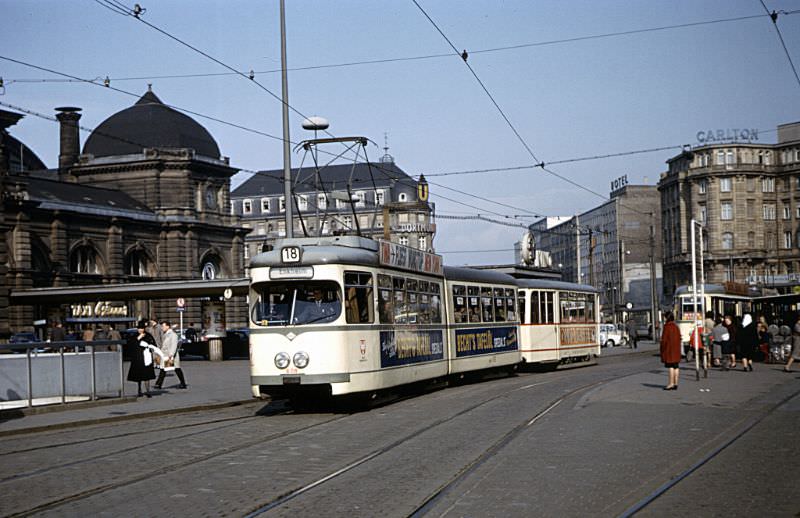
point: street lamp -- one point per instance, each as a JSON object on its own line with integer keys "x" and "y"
{"x": 697, "y": 318}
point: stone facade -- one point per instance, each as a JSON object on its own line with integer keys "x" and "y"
{"x": 747, "y": 197}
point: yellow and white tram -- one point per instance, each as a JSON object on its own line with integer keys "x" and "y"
{"x": 560, "y": 321}
{"x": 714, "y": 298}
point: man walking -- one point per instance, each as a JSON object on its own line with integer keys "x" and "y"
{"x": 169, "y": 346}
{"x": 633, "y": 339}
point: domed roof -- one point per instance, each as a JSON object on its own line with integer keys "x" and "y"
{"x": 149, "y": 123}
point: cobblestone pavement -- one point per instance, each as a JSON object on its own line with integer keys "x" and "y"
{"x": 596, "y": 452}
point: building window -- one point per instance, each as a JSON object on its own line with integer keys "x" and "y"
{"x": 725, "y": 184}
{"x": 727, "y": 241}
{"x": 422, "y": 243}
{"x": 768, "y": 185}
{"x": 302, "y": 202}
{"x": 261, "y": 229}
{"x": 703, "y": 186}
{"x": 210, "y": 270}
{"x": 360, "y": 197}
{"x": 233, "y": 209}
{"x": 282, "y": 204}
{"x": 136, "y": 263}
{"x": 322, "y": 201}
{"x": 726, "y": 211}
{"x": 246, "y": 249}
{"x": 720, "y": 157}
{"x": 787, "y": 211}
{"x": 347, "y": 222}
{"x": 729, "y": 160}
{"x": 751, "y": 239}
{"x": 264, "y": 205}
{"x": 379, "y": 221}
{"x": 325, "y": 227}
{"x": 402, "y": 197}
{"x": 787, "y": 239}
{"x": 247, "y": 207}
{"x": 403, "y": 240}
{"x": 769, "y": 211}
{"x": 769, "y": 241}
{"x": 751, "y": 184}
{"x": 380, "y": 197}
{"x": 702, "y": 213}
{"x": 751, "y": 208}
{"x": 798, "y": 212}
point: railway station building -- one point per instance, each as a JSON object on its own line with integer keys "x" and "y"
{"x": 746, "y": 197}
{"x": 145, "y": 200}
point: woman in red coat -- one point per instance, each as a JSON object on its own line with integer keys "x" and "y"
{"x": 671, "y": 350}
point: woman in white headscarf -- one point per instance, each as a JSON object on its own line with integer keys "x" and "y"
{"x": 747, "y": 342}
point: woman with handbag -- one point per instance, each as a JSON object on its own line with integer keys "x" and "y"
{"x": 142, "y": 347}
{"x": 671, "y": 350}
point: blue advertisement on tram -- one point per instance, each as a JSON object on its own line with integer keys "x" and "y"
{"x": 406, "y": 347}
{"x": 470, "y": 342}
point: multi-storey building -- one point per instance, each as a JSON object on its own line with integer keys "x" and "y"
{"x": 746, "y": 196}
{"x": 609, "y": 247}
{"x": 374, "y": 200}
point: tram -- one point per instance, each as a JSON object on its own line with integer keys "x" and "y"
{"x": 559, "y": 321}
{"x": 717, "y": 300}
{"x": 345, "y": 315}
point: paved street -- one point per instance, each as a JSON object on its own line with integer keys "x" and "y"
{"x": 589, "y": 441}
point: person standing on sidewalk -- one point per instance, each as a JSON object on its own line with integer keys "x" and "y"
{"x": 795, "y": 346}
{"x": 630, "y": 326}
{"x": 141, "y": 347}
{"x": 747, "y": 342}
{"x": 671, "y": 350}
{"x": 729, "y": 346}
{"x": 720, "y": 335}
{"x": 169, "y": 346}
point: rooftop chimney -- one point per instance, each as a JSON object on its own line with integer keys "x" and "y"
{"x": 68, "y": 116}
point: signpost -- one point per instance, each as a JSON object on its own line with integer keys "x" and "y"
{"x": 181, "y": 307}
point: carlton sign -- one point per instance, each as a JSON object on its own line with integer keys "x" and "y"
{"x": 727, "y": 135}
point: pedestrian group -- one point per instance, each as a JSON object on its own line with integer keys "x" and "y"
{"x": 154, "y": 345}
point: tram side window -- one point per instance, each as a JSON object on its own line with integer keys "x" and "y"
{"x": 486, "y": 305}
{"x": 436, "y": 303}
{"x": 358, "y": 298}
{"x": 590, "y": 308}
{"x": 499, "y": 305}
{"x": 511, "y": 306}
{"x": 536, "y": 317}
{"x": 522, "y": 312}
{"x": 474, "y": 304}
{"x": 460, "y": 311}
{"x": 385, "y": 300}
{"x": 400, "y": 308}
{"x": 548, "y": 316}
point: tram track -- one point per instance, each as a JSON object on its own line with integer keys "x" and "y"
{"x": 162, "y": 470}
{"x": 470, "y": 467}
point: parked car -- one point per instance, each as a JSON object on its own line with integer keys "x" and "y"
{"x": 611, "y": 335}
{"x": 236, "y": 344}
{"x": 26, "y": 338}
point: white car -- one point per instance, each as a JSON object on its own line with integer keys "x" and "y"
{"x": 611, "y": 336}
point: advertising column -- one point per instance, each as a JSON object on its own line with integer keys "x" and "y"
{"x": 214, "y": 324}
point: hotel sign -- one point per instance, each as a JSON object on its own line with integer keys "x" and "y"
{"x": 100, "y": 309}
{"x": 619, "y": 183}
{"x": 727, "y": 135}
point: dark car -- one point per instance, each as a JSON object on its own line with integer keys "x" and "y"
{"x": 25, "y": 338}
{"x": 236, "y": 344}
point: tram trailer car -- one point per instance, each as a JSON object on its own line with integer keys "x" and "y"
{"x": 560, "y": 321}
{"x": 717, "y": 300}
{"x": 346, "y": 315}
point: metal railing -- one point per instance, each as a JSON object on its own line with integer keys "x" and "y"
{"x": 62, "y": 349}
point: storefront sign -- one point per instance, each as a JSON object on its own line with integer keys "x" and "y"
{"x": 98, "y": 310}
{"x": 727, "y": 135}
{"x": 470, "y": 342}
{"x": 407, "y": 258}
{"x": 405, "y": 347}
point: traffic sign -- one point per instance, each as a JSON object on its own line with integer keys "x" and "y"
{"x": 180, "y": 309}
{"x": 181, "y": 302}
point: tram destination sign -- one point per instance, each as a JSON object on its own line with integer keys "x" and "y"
{"x": 407, "y": 258}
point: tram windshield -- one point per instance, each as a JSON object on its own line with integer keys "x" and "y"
{"x": 297, "y": 302}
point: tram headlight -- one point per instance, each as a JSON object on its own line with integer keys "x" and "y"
{"x": 281, "y": 360}
{"x": 300, "y": 359}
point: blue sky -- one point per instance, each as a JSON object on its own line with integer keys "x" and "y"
{"x": 567, "y": 100}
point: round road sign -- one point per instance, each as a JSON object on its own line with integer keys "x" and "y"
{"x": 181, "y": 302}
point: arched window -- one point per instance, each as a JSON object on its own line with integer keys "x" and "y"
{"x": 727, "y": 241}
{"x": 402, "y": 197}
{"x": 137, "y": 264}
{"x": 83, "y": 259}
{"x": 210, "y": 268}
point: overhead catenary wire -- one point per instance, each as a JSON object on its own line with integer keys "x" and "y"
{"x": 425, "y": 56}
{"x": 774, "y": 17}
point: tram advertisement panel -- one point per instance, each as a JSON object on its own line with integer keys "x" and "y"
{"x": 585, "y": 335}
{"x": 406, "y": 347}
{"x": 470, "y": 342}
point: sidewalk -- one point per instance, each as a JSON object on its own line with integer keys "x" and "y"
{"x": 210, "y": 384}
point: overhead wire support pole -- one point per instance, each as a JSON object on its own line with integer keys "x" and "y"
{"x": 696, "y": 338}
{"x": 287, "y": 152}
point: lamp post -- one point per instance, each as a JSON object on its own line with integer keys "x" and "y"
{"x": 696, "y": 342}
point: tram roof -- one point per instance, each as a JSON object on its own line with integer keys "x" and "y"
{"x": 547, "y": 284}
{"x": 455, "y": 273}
{"x": 323, "y": 250}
